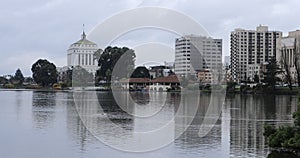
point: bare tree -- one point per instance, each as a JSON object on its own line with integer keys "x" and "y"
{"x": 286, "y": 67}
{"x": 296, "y": 60}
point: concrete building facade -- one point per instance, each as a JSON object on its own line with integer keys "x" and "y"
{"x": 82, "y": 53}
{"x": 289, "y": 51}
{"x": 193, "y": 53}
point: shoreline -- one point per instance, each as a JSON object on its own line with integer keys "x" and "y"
{"x": 263, "y": 92}
{"x": 286, "y": 150}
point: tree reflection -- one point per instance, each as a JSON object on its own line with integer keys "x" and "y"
{"x": 117, "y": 113}
{"x": 43, "y": 108}
{"x": 140, "y": 98}
{"x": 275, "y": 154}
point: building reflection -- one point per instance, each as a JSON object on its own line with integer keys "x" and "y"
{"x": 75, "y": 126}
{"x": 88, "y": 114}
{"x": 249, "y": 115}
{"x": 190, "y": 138}
{"x": 238, "y": 131}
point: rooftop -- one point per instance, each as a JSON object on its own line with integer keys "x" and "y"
{"x": 84, "y": 40}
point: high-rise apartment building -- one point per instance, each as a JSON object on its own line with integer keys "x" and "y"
{"x": 250, "y": 49}
{"x": 194, "y": 53}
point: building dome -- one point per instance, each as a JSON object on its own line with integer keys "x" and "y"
{"x": 81, "y": 53}
{"x": 84, "y": 42}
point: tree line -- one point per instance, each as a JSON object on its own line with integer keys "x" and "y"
{"x": 45, "y": 73}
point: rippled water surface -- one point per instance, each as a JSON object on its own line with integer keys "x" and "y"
{"x": 47, "y": 124}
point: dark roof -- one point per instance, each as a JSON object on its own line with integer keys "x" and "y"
{"x": 168, "y": 79}
{"x": 139, "y": 80}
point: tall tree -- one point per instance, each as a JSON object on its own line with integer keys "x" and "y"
{"x": 44, "y": 73}
{"x": 271, "y": 73}
{"x": 284, "y": 62}
{"x": 18, "y": 78}
{"x": 28, "y": 80}
{"x": 256, "y": 78}
{"x": 140, "y": 72}
{"x": 110, "y": 57}
{"x": 81, "y": 77}
{"x": 97, "y": 54}
{"x": 3, "y": 80}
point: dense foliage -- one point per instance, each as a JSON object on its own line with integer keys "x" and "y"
{"x": 81, "y": 78}
{"x": 140, "y": 72}
{"x": 287, "y": 136}
{"x": 44, "y": 73}
{"x": 108, "y": 60}
{"x": 18, "y": 78}
{"x": 271, "y": 73}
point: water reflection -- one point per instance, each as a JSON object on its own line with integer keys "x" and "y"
{"x": 189, "y": 141}
{"x": 237, "y": 133}
{"x": 249, "y": 115}
{"x": 76, "y": 128}
{"x": 43, "y": 111}
{"x": 140, "y": 98}
{"x": 276, "y": 154}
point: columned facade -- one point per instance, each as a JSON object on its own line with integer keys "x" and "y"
{"x": 82, "y": 53}
{"x": 288, "y": 46}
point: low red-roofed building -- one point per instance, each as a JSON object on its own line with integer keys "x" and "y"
{"x": 164, "y": 83}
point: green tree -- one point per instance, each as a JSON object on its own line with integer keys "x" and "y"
{"x": 81, "y": 77}
{"x": 140, "y": 72}
{"x": 28, "y": 80}
{"x": 97, "y": 54}
{"x": 256, "y": 78}
{"x": 3, "y": 80}
{"x": 287, "y": 137}
{"x": 271, "y": 73}
{"x": 18, "y": 78}
{"x": 110, "y": 57}
{"x": 44, "y": 73}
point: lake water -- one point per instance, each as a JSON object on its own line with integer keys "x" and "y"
{"x": 70, "y": 124}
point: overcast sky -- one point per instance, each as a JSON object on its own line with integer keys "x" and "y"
{"x": 33, "y": 29}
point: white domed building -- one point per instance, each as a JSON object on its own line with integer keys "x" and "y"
{"x": 82, "y": 53}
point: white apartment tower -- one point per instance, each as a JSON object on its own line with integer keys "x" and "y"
{"x": 82, "y": 53}
{"x": 194, "y": 53}
{"x": 250, "y": 49}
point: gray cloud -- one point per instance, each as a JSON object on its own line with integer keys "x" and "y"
{"x": 31, "y": 29}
